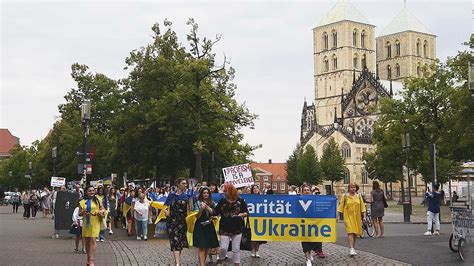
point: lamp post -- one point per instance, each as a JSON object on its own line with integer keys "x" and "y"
{"x": 85, "y": 116}
{"x": 406, "y": 204}
{"x": 54, "y": 155}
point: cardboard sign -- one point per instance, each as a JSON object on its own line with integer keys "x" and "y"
{"x": 58, "y": 181}
{"x": 239, "y": 175}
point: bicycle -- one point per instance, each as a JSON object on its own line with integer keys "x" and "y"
{"x": 368, "y": 225}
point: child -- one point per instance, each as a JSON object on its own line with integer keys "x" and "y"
{"x": 77, "y": 223}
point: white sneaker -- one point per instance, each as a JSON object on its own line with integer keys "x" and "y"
{"x": 102, "y": 240}
{"x": 311, "y": 257}
{"x": 145, "y": 238}
{"x": 97, "y": 240}
{"x": 257, "y": 255}
{"x": 111, "y": 232}
{"x": 427, "y": 233}
{"x": 308, "y": 263}
{"x": 436, "y": 233}
{"x": 352, "y": 252}
{"x": 139, "y": 238}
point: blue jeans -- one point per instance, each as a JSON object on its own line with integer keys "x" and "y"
{"x": 102, "y": 234}
{"x": 141, "y": 227}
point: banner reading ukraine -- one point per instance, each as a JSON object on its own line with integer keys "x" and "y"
{"x": 286, "y": 218}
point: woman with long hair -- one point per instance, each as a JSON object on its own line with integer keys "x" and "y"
{"x": 25, "y": 200}
{"x": 130, "y": 221}
{"x": 113, "y": 204}
{"x": 179, "y": 203}
{"x": 352, "y": 207}
{"x": 232, "y": 210}
{"x": 102, "y": 197}
{"x": 92, "y": 212}
{"x": 255, "y": 190}
{"x": 308, "y": 247}
{"x": 204, "y": 234}
{"x": 45, "y": 201}
{"x": 377, "y": 209}
{"x": 77, "y": 223}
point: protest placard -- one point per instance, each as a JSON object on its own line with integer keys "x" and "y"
{"x": 238, "y": 175}
{"x": 58, "y": 181}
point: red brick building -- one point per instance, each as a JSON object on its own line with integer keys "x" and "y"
{"x": 7, "y": 143}
{"x": 273, "y": 174}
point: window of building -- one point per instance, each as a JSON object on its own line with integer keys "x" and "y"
{"x": 282, "y": 186}
{"x": 365, "y": 176}
{"x": 425, "y": 49}
{"x": 364, "y": 61}
{"x": 347, "y": 176}
{"x": 362, "y": 39}
{"x": 325, "y": 146}
{"x": 334, "y": 39}
{"x": 389, "y": 50}
{"x": 325, "y": 41}
{"x": 418, "y": 71}
{"x": 397, "y": 47}
{"x": 397, "y": 70}
{"x": 334, "y": 62}
{"x": 355, "y": 61}
{"x": 346, "y": 150}
{"x": 389, "y": 72}
{"x": 265, "y": 178}
{"x": 274, "y": 186}
{"x": 418, "y": 44}
{"x": 326, "y": 64}
{"x": 354, "y": 38}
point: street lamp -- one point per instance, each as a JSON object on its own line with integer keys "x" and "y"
{"x": 406, "y": 205}
{"x": 54, "y": 155}
{"x": 85, "y": 117}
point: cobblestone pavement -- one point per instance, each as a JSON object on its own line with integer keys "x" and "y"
{"x": 28, "y": 242}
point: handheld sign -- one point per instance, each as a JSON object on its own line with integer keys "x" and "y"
{"x": 58, "y": 181}
{"x": 239, "y": 175}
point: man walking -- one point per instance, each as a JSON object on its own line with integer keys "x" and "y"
{"x": 434, "y": 200}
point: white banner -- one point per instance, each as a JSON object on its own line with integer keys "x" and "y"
{"x": 239, "y": 175}
{"x": 58, "y": 181}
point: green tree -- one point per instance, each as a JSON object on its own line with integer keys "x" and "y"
{"x": 332, "y": 163}
{"x": 308, "y": 167}
{"x": 292, "y": 167}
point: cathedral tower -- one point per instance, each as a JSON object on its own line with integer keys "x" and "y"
{"x": 343, "y": 41}
{"x": 404, "y": 47}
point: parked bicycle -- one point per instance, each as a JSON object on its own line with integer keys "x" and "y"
{"x": 367, "y": 225}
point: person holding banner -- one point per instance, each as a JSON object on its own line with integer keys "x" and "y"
{"x": 179, "y": 203}
{"x": 317, "y": 247}
{"x": 255, "y": 244}
{"x": 352, "y": 207}
{"x": 92, "y": 213}
{"x": 232, "y": 210}
{"x": 204, "y": 233}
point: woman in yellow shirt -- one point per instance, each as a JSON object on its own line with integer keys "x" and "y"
{"x": 353, "y": 209}
{"x": 92, "y": 212}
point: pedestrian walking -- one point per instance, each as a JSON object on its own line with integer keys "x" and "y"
{"x": 377, "y": 208}
{"x": 129, "y": 212}
{"x": 232, "y": 210}
{"x": 76, "y": 229}
{"x": 25, "y": 200}
{"x": 16, "y": 200}
{"x": 113, "y": 207}
{"x": 102, "y": 197}
{"x": 433, "y": 199}
{"x": 92, "y": 213}
{"x": 255, "y": 245}
{"x": 34, "y": 203}
{"x": 179, "y": 203}
{"x": 204, "y": 233}
{"x": 141, "y": 212}
{"x": 45, "y": 201}
{"x": 308, "y": 247}
{"x": 353, "y": 209}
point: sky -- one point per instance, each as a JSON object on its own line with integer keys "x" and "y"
{"x": 269, "y": 43}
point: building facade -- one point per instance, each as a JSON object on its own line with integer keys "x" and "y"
{"x": 7, "y": 143}
{"x": 353, "y": 70}
{"x": 273, "y": 174}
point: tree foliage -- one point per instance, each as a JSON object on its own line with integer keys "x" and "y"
{"x": 292, "y": 167}
{"x": 332, "y": 163}
{"x": 308, "y": 167}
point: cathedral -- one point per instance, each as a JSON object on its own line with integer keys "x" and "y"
{"x": 353, "y": 69}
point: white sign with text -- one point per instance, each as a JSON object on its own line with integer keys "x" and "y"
{"x": 58, "y": 181}
{"x": 238, "y": 175}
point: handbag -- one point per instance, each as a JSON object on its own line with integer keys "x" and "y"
{"x": 384, "y": 200}
{"x": 246, "y": 237}
{"x": 74, "y": 230}
{"x": 161, "y": 230}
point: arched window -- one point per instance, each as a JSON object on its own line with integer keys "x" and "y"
{"x": 364, "y": 61}
{"x": 326, "y": 64}
{"x": 362, "y": 39}
{"x": 355, "y": 61}
{"x": 418, "y": 46}
{"x": 334, "y": 39}
{"x": 425, "y": 48}
{"x": 389, "y": 50}
{"x": 397, "y": 47}
{"x": 345, "y": 150}
{"x": 418, "y": 71}
{"x": 347, "y": 176}
{"x": 397, "y": 70}
{"x": 389, "y": 72}
{"x": 325, "y": 146}
{"x": 354, "y": 38}
{"x": 325, "y": 41}
{"x": 334, "y": 62}
{"x": 365, "y": 176}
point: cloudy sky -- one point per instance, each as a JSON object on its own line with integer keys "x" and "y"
{"x": 269, "y": 44}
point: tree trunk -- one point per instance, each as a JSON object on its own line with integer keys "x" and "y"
{"x": 386, "y": 189}
{"x": 332, "y": 188}
{"x": 198, "y": 169}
